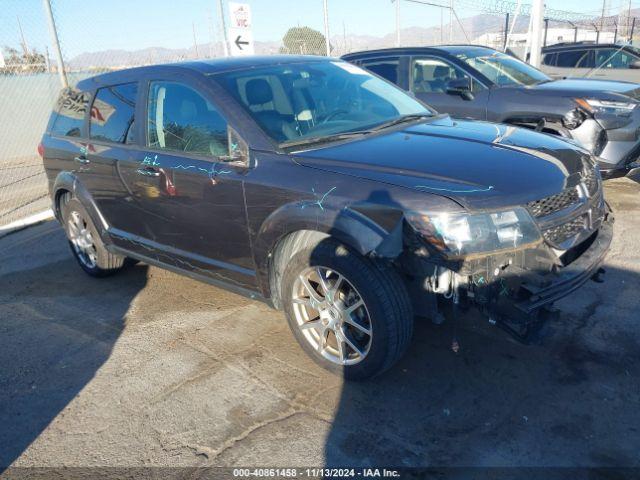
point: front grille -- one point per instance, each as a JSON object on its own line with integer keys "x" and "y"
{"x": 590, "y": 179}
{"x": 561, "y": 233}
{"x": 586, "y": 198}
{"x": 554, "y": 203}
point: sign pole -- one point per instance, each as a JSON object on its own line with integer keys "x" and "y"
{"x": 225, "y": 47}
{"x": 56, "y": 44}
{"x": 397, "y": 23}
{"x": 326, "y": 27}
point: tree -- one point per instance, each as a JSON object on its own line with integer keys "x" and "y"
{"x": 16, "y": 62}
{"x": 304, "y": 41}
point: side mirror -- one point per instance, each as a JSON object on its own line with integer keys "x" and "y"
{"x": 460, "y": 87}
{"x": 238, "y": 149}
{"x": 635, "y": 65}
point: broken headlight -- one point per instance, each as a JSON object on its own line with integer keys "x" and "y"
{"x": 460, "y": 234}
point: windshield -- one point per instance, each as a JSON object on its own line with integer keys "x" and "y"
{"x": 503, "y": 69}
{"x": 296, "y": 101}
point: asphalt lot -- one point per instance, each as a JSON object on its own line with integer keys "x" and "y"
{"x": 150, "y": 368}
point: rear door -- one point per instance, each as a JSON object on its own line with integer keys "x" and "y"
{"x": 111, "y": 141}
{"x": 65, "y": 144}
{"x": 428, "y": 79}
{"x": 186, "y": 184}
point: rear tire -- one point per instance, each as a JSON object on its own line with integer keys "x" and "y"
{"x": 85, "y": 242}
{"x": 352, "y": 316}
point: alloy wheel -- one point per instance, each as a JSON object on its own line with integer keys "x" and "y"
{"x": 332, "y": 315}
{"x": 82, "y": 240}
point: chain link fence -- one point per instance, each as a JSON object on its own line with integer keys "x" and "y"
{"x": 97, "y": 39}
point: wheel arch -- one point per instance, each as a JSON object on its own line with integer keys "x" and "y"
{"x": 290, "y": 229}
{"x": 67, "y": 182}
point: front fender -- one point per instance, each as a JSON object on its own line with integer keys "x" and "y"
{"x": 367, "y": 229}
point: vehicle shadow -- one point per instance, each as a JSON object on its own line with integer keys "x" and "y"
{"x": 566, "y": 402}
{"x": 50, "y": 349}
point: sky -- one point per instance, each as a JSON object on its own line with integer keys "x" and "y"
{"x": 95, "y": 25}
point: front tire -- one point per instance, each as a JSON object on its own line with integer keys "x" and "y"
{"x": 353, "y": 317}
{"x": 85, "y": 242}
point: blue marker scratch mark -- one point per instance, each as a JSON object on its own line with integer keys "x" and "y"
{"x": 152, "y": 162}
{"x": 473, "y": 190}
{"x": 317, "y": 202}
{"x": 212, "y": 172}
{"x": 504, "y": 291}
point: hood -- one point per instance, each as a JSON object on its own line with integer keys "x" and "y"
{"x": 477, "y": 164}
{"x": 588, "y": 87}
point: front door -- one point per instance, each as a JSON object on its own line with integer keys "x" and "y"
{"x": 429, "y": 77}
{"x": 187, "y": 187}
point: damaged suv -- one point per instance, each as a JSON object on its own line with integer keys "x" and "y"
{"x": 327, "y": 192}
{"x": 475, "y": 82}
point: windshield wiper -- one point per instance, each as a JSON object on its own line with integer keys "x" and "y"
{"x": 356, "y": 133}
{"x": 402, "y": 119}
{"x": 326, "y": 138}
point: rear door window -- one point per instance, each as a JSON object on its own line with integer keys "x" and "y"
{"x": 71, "y": 108}
{"x": 387, "y": 69}
{"x": 180, "y": 119}
{"x": 572, "y": 58}
{"x": 112, "y": 113}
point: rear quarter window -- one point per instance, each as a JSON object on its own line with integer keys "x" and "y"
{"x": 112, "y": 113}
{"x": 70, "y": 110}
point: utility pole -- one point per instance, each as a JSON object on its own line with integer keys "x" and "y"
{"x": 223, "y": 29}
{"x": 195, "y": 42}
{"x": 326, "y": 27}
{"x": 25, "y": 47}
{"x": 604, "y": 12}
{"x": 212, "y": 37}
{"x": 56, "y": 44}
{"x": 628, "y": 18}
{"x": 397, "y": 23}
{"x": 537, "y": 19}
{"x": 450, "y": 21}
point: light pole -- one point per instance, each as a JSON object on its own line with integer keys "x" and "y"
{"x": 56, "y": 44}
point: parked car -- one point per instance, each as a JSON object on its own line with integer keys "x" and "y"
{"x": 326, "y": 191}
{"x": 600, "y": 61}
{"x": 484, "y": 84}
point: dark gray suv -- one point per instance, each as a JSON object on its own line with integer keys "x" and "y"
{"x": 484, "y": 84}
{"x": 326, "y": 191}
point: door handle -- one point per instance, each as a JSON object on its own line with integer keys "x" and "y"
{"x": 148, "y": 172}
{"x": 81, "y": 159}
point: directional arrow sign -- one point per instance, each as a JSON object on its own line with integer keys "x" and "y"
{"x": 240, "y": 42}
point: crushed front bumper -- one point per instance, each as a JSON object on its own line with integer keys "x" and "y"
{"x": 551, "y": 287}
